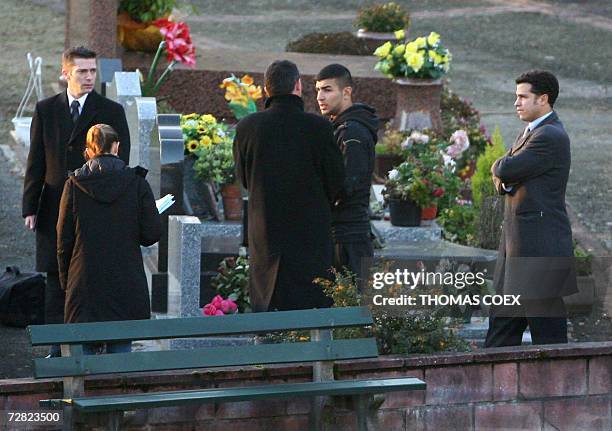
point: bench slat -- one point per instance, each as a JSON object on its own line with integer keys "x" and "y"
{"x": 248, "y": 323}
{"x": 165, "y": 399}
{"x": 327, "y": 350}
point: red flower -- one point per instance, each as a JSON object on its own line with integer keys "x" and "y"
{"x": 439, "y": 192}
{"x": 178, "y": 41}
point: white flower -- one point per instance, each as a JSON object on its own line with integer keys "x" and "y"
{"x": 419, "y": 138}
{"x": 406, "y": 143}
{"x": 393, "y": 174}
{"x": 449, "y": 162}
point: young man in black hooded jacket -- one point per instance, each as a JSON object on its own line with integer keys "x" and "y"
{"x": 355, "y": 131}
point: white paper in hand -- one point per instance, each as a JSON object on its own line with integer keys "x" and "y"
{"x": 164, "y": 203}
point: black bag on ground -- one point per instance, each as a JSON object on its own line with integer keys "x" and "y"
{"x": 22, "y": 298}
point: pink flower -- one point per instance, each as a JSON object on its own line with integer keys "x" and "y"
{"x": 460, "y": 143}
{"x": 228, "y": 306}
{"x": 216, "y": 301}
{"x": 178, "y": 41}
{"x": 218, "y": 313}
{"x": 209, "y": 310}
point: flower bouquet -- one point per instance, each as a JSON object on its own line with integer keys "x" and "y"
{"x": 179, "y": 49}
{"x": 424, "y": 57}
{"x": 241, "y": 93}
{"x": 220, "y": 307}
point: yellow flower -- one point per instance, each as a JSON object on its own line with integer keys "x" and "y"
{"x": 433, "y": 38}
{"x": 247, "y": 80}
{"x": 254, "y": 92}
{"x": 190, "y": 116}
{"x": 421, "y": 42}
{"x": 399, "y": 49}
{"x": 227, "y": 82}
{"x": 435, "y": 57}
{"x": 400, "y": 34}
{"x": 412, "y": 47}
{"x": 192, "y": 145}
{"x": 205, "y": 141}
{"x": 415, "y": 61}
{"x": 383, "y": 50}
{"x": 209, "y": 119}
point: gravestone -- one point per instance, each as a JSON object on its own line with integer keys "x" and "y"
{"x": 106, "y": 72}
{"x": 141, "y": 116}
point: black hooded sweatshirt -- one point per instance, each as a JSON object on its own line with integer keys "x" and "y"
{"x": 107, "y": 212}
{"x": 355, "y": 131}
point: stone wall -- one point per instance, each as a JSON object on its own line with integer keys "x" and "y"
{"x": 532, "y": 388}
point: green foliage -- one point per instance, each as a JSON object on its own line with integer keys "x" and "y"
{"x": 215, "y": 164}
{"x": 232, "y": 282}
{"x": 411, "y": 333}
{"x": 584, "y": 260}
{"x": 458, "y": 223}
{"x": 482, "y": 184}
{"x": 147, "y": 10}
{"x": 391, "y": 142}
{"x": 383, "y": 18}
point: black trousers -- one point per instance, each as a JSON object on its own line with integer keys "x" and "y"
{"x": 351, "y": 254}
{"x": 55, "y": 298}
{"x": 546, "y": 319}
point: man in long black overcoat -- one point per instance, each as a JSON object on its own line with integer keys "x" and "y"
{"x": 57, "y": 141}
{"x": 288, "y": 161}
{"x": 535, "y": 257}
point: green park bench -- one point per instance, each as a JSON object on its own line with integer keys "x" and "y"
{"x": 321, "y": 351}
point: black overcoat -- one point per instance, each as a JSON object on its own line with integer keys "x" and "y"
{"x": 107, "y": 212}
{"x": 56, "y": 148}
{"x": 293, "y": 170}
{"x": 535, "y": 258}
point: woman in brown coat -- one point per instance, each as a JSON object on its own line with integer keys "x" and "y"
{"x": 107, "y": 212}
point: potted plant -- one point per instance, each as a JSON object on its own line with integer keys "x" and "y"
{"x": 209, "y": 143}
{"x": 419, "y": 184}
{"x": 582, "y": 302}
{"x": 136, "y": 30}
{"x": 379, "y": 22}
{"x": 416, "y": 67}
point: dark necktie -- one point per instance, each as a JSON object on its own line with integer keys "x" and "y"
{"x": 74, "y": 111}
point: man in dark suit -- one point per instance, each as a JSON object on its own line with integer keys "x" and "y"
{"x": 293, "y": 170}
{"x": 535, "y": 257}
{"x": 57, "y": 141}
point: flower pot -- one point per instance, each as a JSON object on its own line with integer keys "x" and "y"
{"x": 374, "y": 39}
{"x": 383, "y": 163}
{"x": 22, "y": 129}
{"x": 137, "y": 36}
{"x": 429, "y": 213}
{"x": 404, "y": 213}
{"x": 232, "y": 201}
{"x": 418, "y": 104}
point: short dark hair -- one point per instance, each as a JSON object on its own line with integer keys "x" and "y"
{"x": 542, "y": 82}
{"x": 338, "y": 72}
{"x": 77, "y": 52}
{"x": 280, "y": 77}
{"x": 100, "y": 138}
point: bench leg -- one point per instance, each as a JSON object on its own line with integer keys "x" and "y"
{"x": 366, "y": 407}
{"x": 113, "y": 421}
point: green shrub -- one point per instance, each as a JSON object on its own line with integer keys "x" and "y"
{"x": 147, "y": 10}
{"x": 482, "y": 184}
{"x": 383, "y": 18}
{"x": 458, "y": 224}
{"x": 584, "y": 259}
